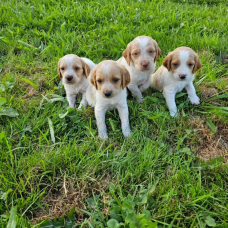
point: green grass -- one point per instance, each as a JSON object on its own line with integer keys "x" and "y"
{"x": 155, "y": 178}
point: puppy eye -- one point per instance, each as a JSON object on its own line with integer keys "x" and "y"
{"x": 190, "y": 64}
{"x": 115, "y": 80}
{"x": 62, "y": 68}
{"x": 135, "y": 53}
{"x": 76, "y": 68}
{"x": 99, "y": 81}
{"x": 150, "y": 52}
{"x": 175, "y": 64}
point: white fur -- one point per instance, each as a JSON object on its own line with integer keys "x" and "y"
{"x": 172, "y": 83}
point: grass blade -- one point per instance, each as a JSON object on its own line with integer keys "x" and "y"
{"x": 13, "y": 218}
{"x": 51, "y": 130}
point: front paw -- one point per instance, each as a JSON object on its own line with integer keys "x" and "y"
{"x": 194, "y": 100}
{"x": 80, "y": 107}
{"x": 140, "y": 100}
{"x": 70, "y": 106}
{"x": 127, "y": 133}
{"x": 103, "y": 136}
{"x": 173, "y": 113}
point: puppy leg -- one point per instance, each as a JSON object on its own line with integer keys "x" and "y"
{"x": 145, "y": 85}
{"x": 194, "y": 99}
{"x": 170, "y": 100}
{"x": 123, "y": 113}
{"x": 100, "y": 117}
{"x": 135, "y": 92}
{"x": 83, "y": 102}
{"x": 71, "y": 98}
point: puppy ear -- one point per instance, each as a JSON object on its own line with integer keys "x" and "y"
{"x": 59, "y": 72}
{"x": 86, "y": 68}
{"x": 93, "y": 77}
{"x": 167, "y": 61}
{"x": 198, "y": 64}
{"x": 125, "y": 77}
{"x": 158, "y": 53}
{"x": 127, "y": 54}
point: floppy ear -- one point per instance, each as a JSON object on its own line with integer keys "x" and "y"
{"x": 93, "y": 77}
{"x": 86, "y": 68}
{"x": 125, "y": 77}
{"x": 198, "y": 64}
{"x": 59, "y": 72}
{"x": 167, "y": 61}
{"x": 158, "y": 53}
{"x": 127, "y": 54}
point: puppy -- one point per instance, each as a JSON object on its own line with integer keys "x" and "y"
{"x": 107, "y": 91}
{"x": 74, "y": 71}
{"x": 176, "y": 73}
{"x": 139, "y": 58}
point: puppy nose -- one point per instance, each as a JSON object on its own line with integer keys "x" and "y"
{"x": 145, "y": 63}
{"x": 108, "y": 94}
{"x": 69, "y": 78}
{"x": 182, "y": 76}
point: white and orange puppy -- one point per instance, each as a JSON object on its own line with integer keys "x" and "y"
{"x": 176, "y": 73}
{"x": 140, "y": 60}
{"x": 74, "y": 71}
{"x": 107, "y": 91}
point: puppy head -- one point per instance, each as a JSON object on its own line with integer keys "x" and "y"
{"x": 142, "y": 52}
{"x": 183, "y": 62}
{"x": 72, "y": 69}
{"x": 109, "y": 78}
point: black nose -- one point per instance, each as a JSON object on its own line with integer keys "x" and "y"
{"x": 69, "y": 78}
{"x": 108, "y": 94}
{"x": 182, "y": 76}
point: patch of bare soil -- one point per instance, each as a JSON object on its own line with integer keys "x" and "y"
{"x": 210, "y": 145}
{"x": 30, "y": 93}
{"x": 208, "y": 92}
{"x": 59, "y": 203}
{"x": 225, "y": 59}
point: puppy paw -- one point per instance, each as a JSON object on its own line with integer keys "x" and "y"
{"x": 70, "y": 106}
{"x": 127, "y": 134}
{"x": 173, "y": 113}
{"x": 103, "y": 137}
{"x": 140, "y": 101}
{"x": 194, "y": 100}
{"x": 84, "y": 105}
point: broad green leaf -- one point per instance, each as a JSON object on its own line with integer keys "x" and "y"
{"x": 51, "y": 130}
{"x": 147, "y": 214}
{"x": 112, "y": 223}
{"x": 7, "y": 111}
{"x": 130, "y": 218}
{"x": 210, "y": 221}
{"x": 211, "y": 125}
{"x": 13, "y": 218}
{"x": 2, "y": 101}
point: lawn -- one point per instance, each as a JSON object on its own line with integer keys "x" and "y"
{"x": 56, "y": 172}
